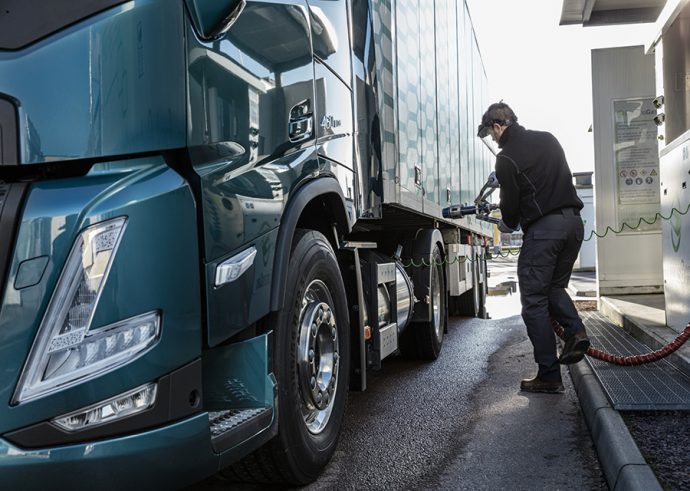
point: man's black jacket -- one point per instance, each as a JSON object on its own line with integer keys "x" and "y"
{"x": 534, "y": 176}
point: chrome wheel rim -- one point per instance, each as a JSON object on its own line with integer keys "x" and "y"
{"x": 436, "y": 301}
{"x": 317, "y": 356}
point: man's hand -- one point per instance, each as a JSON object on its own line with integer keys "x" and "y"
{"x": 492, "y": 181}
{"x": 504, "y": 228}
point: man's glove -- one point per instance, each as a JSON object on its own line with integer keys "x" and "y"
{"x": 504, "y": 228}
{"x": 492, "y": 181}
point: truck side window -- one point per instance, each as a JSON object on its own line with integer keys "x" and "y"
{"x": 243, "y": 86}
{"x": 330, "y": 35}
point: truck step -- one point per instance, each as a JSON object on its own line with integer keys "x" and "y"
{"x": 233, "y": 426}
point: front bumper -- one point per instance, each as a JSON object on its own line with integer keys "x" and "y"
{"x": 169, "y": 457}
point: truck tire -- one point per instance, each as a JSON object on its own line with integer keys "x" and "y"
{"x": 483, "y": 290}
{"x": 311, "y": 365}
{"x": 424, "y": 339}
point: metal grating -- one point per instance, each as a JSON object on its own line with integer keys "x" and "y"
{"x": 654, "y": 386}
{"x": 223, "y": 421}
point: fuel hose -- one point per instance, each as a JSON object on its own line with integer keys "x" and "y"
{"x": 630, "y": 360}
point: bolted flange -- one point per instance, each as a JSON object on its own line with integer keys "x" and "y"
{"x": 318, "y": 362}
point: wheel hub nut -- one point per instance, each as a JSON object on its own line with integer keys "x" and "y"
{"x": 318, "y": 360}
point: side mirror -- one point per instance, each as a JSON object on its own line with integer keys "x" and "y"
{"x": 213, "y": 18}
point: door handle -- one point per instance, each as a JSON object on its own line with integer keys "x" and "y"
{"x": 301, "y": 123}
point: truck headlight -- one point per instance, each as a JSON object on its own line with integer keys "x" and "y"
{"x": 116, "y": 408}
{"x": 66, "y": 351}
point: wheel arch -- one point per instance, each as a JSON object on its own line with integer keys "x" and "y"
{"x": 317, "y": 205}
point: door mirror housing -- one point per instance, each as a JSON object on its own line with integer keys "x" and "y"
{"x": 213, "y": 18}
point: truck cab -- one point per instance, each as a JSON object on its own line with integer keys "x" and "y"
{"x": 213, "y": 224}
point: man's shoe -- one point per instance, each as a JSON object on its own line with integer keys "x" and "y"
{"x": 574, "y": 349}
{"x": 538, "y": 385}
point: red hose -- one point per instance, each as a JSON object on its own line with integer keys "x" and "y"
{"x": 632, "y": 359}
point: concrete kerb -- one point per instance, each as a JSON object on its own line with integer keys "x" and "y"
{"x": 621, "y": 460}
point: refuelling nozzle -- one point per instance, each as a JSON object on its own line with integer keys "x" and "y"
{"x": 482, "y": 211}
{"x": 481, "y": 206}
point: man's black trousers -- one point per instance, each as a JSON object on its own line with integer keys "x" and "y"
{"x": 549, "y": 249}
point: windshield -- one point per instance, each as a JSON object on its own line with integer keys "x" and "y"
{"x": 23, "y": 22}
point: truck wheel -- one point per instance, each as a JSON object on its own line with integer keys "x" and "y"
{"x": 311, "y": 365}
{"x": 424, "y": 339}
{"x": 483, "y": 291}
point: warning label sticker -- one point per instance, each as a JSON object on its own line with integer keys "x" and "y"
{"x": 636, "y": 151}
{"x": 636, "y": 158}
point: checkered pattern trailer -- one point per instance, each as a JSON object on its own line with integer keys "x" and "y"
{"x": 432, "y": 91}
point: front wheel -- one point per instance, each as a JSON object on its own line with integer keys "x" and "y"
{"x": 311, "y": 365}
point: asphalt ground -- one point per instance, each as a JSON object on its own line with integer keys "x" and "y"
{"x": 461, "y": 422}
{"x": 661, "y": 436}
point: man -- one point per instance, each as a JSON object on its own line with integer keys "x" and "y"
{"x": 537, "y": 194}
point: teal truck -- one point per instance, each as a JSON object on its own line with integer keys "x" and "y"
{"x": 216, "y": 216}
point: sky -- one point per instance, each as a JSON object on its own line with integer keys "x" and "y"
{"x": 543, "y": 70}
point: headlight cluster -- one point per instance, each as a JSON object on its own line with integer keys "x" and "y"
{"x": 119, "y": 407}
{"x": 66, "y": 350}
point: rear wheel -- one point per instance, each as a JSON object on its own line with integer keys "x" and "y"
{"x": 424, "y": 339}
{"x": 483, "y": 288}
{"x": 311, "y": 365}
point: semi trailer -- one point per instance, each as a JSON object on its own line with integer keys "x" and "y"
{"x": 216, "y": 217}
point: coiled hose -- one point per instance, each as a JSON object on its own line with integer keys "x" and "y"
{"x": 630, "y": 360}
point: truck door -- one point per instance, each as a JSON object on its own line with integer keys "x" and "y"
{"x": 333, "y": 92}
{"x": 251, "y": 138}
